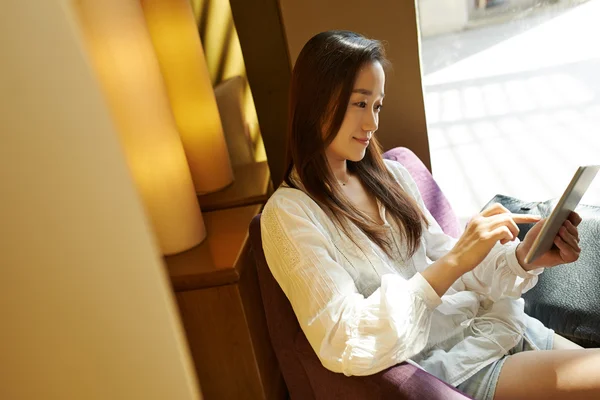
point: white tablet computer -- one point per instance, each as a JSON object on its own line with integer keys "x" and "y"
{"x": 567, "y": 203}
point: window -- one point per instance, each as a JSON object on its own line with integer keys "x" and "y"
{"x": 512, "y": 96}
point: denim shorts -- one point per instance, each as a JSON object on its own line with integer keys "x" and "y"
{"x": 482, "y": 385}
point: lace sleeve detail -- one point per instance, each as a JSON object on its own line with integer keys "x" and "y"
{"x": 281, "y": 243}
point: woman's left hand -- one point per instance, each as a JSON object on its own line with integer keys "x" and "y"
{"x": 566, "y": 245}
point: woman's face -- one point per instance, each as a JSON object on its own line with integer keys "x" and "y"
{"x": 362, "y": 115}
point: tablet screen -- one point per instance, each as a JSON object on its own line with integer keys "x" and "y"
{"x": 579, "y": 184}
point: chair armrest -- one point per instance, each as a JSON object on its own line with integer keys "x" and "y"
{"x": 409, "y": 382}
{"x": 402, "y": 381}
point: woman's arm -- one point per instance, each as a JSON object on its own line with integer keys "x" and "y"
{"x": 349, "y": 333}
{"x": 498, "y": 273}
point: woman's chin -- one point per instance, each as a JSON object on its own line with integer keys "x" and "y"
{"x": 356, "y": 157}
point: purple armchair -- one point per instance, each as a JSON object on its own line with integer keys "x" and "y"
{"x": 305, "y": 376}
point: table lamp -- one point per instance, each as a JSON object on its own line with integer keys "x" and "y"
{"x": 120, "y": 50}
{"x": 176, "y": 41}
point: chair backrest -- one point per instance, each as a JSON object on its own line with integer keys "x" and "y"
{"x": 281, "y": 321}
{"x": 433, "y": 197}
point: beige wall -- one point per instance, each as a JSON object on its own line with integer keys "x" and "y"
{"x": 393, "y": 21}
{"x": 87, "y": 312}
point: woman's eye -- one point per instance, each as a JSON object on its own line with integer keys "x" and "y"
{"x": 363, "y": 104}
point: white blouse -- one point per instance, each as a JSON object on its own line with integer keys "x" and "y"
{"x": 363, "y": 311}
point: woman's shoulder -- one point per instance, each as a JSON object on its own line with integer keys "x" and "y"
{"x": 398, "y": 170}
{"x": 403, "y": 177}
{"x": 287, "y": 199}
{"x": 290, "y": 208}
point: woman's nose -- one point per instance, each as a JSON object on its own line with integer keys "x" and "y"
{"x": 370, "y": 121}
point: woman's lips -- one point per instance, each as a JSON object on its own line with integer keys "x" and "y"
{"x": 362, "y": 141}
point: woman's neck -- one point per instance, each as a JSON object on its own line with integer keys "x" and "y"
{"x": 339, "y": 168}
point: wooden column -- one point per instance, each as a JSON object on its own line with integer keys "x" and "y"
{"x": 268, "y": 68}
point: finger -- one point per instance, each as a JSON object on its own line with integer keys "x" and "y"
{"x": 567, "y": 253}
{"x": 575, "y": 218}
{"x": 506, "y": 220}
{"x": 519, "y": 218}
{"x": 526, "y": 218}
{"x": 501, "y": 233}
{"x": 568, "y": 238}
{"x": 494, "y": 209}
{"x": 572, "y": 229}
{"x": 498, "y": 208}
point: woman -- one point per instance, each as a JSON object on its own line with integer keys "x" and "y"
{"x": 370, "y": 275}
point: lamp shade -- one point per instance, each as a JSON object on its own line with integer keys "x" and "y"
{"x": 121, "y": 53}
{"x": 176, "y": 41}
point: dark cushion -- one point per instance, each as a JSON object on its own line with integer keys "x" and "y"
{"x": 566, "y": 297}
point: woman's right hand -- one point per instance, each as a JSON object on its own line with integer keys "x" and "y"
{"x": 493, "y": 224}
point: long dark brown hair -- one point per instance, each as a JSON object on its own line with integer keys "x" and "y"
{"x": 322, "y": 82}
